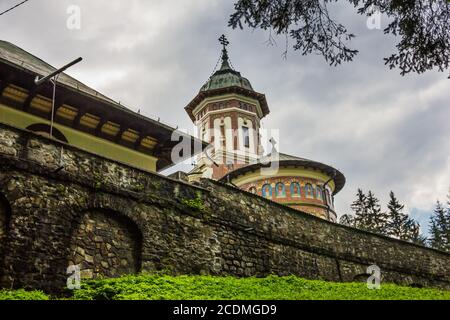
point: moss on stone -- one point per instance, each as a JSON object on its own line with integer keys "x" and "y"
{"x": 97, "y": 181}
{"x": 156, "y": 184}
{"x": 139, "y": 187}
{"x": 197, "y": 203}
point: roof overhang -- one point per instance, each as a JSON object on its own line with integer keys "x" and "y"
{"x": 202, "y": 95}
{"x": 339, "y": 178}
{"x": 100, "y": 106}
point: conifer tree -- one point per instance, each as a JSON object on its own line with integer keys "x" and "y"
{"x": 359, "y": 207}
{"x": 347, "y": 220}
{"x": 376, "y": 221}
{"x": 440, "y": 228}
{"x": 369, "y": 216}
{"x": 422, "y": 28}
{"x": 399, "y": 225}
{"x": 447, "y": 216}
{"x": 413, "y": 233}
{"x": 397, "y": 222}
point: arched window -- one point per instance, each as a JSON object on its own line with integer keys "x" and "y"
{"x": 309, "y": 191}
{"x": 246, "y": 137}
{"x": 44, "y": 129}
{"x": 295, "y": 189}
{"x": 280, "y": 190}
{"x": 267, "y": 191}
{"x": 319, "y": 192}
{"x": 252, "y": 190}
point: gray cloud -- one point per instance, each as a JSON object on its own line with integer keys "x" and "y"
{"x": 385, "y": 132}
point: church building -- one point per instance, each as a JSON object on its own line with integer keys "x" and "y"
{"x": 78, "y": 115}
{"x": 227, "y": 113}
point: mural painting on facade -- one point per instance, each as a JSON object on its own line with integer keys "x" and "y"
{"x": 280, "y": 190}
{"x": 319, "y": 192}
{"x": 267, "y": 191}
{"x": 309, "y": 191}
{"x": 295, "y": 189}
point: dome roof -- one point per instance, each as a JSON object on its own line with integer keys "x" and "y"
{"x": 226, "y": 77}
{"x": 226, "y": 80}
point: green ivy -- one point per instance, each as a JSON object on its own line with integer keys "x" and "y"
{"x": 196, "y": 204}
{"x": 139, "y": 187}
{"x": 60, "y": 188}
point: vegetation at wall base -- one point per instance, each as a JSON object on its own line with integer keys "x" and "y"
{"x": 163, "y": 287}
{"x": 23, "y": 295}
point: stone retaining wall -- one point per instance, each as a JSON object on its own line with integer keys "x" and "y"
{"x": 68, "y": 207}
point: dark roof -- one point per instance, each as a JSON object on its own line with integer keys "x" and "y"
{"x": 226, "y": 77}
{"x": 11, "y": 53}
{"x": 86, "y": 99}
{"x": 289, "y": 160}
{"x": 223, "y": 81}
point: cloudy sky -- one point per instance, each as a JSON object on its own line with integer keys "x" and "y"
{"x": 383, "y": 131}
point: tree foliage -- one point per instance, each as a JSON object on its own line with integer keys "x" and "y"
{"x": 440, "y": 228}
{"x": 399, "y": 225}
{"x": 397, "y": 220}
{"x": 359, "y": 207}
{"x": 367, "y": 215}
{"x": 377, "y": 218}
{"x": 422, "y": 27}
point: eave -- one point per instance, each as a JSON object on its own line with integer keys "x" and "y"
{"x": 99, "y": 106}
{"x": 202, "y": 95}
{"x": 339, "y": 178}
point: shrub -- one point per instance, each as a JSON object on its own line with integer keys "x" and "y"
{"x": 22, "y": 295}
{"x": 163, "y": 287}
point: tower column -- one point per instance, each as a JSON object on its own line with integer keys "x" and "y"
{"x": 233, "y": 111}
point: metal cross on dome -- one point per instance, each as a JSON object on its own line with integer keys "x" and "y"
{"x": 224, "y": 41}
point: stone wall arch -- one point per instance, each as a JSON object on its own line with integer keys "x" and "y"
{"x": 105, "y": 243}
{"x": 44, "y": 129}
{"x": 362, "y": 277}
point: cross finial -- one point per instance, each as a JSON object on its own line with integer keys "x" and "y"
{"x": 224, "y": 41}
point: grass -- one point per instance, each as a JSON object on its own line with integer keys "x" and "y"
{"x": 162, "y": 287}
{"x": 22, "y": 295}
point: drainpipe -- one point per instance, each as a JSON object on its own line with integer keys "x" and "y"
{"x": 324, "y": 193}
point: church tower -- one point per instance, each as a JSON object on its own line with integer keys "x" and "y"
{"x": 227, "y": 113}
